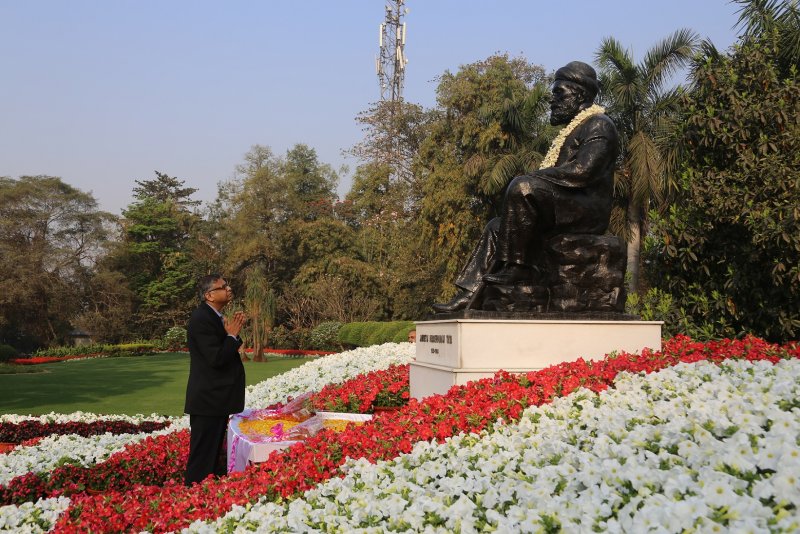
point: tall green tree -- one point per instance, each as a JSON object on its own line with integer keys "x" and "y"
{"x": 778, "y": 18}
{"x": 643, "y": 105}
{"x": 489, "y": 126}
{"x": 393, "y": 132}
{"x": 264, "y": 207}
{"x": 158, "y": 253}
{"x": 280, "y": 217}
{"x": 728, "y": 251}
{"x": 51, "y": 234}
{"x": 261, "y": 307}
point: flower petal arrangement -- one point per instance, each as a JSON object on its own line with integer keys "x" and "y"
{"x": 384, "y": 388}
{"x": 334, "y": 369}
{"x": 490, "y": 415}
{"x": 692, "y": 447}
{"x": 36, "y": 471}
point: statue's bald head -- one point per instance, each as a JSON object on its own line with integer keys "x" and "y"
{"x": 582, "y": 74}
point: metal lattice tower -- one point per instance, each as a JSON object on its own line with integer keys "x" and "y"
{"x": 391, "y": 63}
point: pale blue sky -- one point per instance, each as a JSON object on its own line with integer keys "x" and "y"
{"x": 104, "y": 92}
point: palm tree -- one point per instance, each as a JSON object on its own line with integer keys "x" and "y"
{"x": 519, "y": 147}
{"x": 759, "y": 17}
{"x": 643, "y": 106}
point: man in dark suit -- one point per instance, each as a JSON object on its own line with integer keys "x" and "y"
{"x": 216, "y": 377}
{"x": 571, "y": 193}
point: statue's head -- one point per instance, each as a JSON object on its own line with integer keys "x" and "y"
{"x": 574, "y": 88}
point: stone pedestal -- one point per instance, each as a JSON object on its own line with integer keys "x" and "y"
{"x": 454, "y": 351}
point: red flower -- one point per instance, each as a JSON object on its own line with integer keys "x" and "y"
{"x": 160, "y": 503}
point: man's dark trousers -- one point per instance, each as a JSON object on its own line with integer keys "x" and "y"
{"x": 205, "y": 444}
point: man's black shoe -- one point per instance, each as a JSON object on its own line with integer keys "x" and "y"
{"x": 457, "y": 303}
{"x": 509, "y": 275}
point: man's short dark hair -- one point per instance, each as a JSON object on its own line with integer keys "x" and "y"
{"x": 205, "y": 284}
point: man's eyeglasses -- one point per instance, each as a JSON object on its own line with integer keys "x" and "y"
{"x": 225, "y": 287}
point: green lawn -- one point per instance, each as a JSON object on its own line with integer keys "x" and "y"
{"x": 144, "y": 384}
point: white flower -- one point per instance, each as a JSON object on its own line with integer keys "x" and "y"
{"x": 657, "y": 469}
{"x": 32, "y": 517}
{"x": 332, "y": 369}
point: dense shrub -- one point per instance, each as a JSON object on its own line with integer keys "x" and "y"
{"x": 280, "y": 338}
{"x": 370, "y": 333}
{"x": 301, "y": 338}
{"x": 325, "y": 336}
{"x": 124, "y": 349}
{"x": 728, "y": 250}
{"x": 175, "y": 338}
{"x": 655, "y": 305}
{"x": 131, "y": 349}
{"x": 78, "y": 350}
{"x": 7, "y": 352}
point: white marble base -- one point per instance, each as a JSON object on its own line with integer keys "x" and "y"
{"x": 454, "y": 351}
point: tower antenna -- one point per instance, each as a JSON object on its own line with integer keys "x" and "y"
{"x": 391, "y": 61}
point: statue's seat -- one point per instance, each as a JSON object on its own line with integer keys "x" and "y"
{"x": 579, "y": 273}
{"x": 586, "y": 272}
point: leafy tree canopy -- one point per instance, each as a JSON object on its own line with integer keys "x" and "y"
{"x": 729, "y": 250}
{"x": 490, "y": 125}
{"x": 50, "y": 236}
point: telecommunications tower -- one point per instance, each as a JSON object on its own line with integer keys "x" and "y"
{"x": 391, "y": 62}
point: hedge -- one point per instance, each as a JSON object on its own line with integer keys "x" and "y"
{"x": 365, "y": 334}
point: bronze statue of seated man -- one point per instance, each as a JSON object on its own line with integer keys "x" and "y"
{"x": 570, "y": 193}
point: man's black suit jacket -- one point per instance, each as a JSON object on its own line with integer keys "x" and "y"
{"x": 216, "y": 374}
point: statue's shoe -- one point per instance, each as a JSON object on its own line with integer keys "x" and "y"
{"x": 509, "y": 275}
{"x": 457, "y": 303}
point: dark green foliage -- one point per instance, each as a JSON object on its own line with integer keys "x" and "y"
{"x": 159, "y": 255}
{"x": 365, "y": 334}
{"x": 325, "y": 336}
{"x": 489, "y": 126}
{"x": 641, "y": 100}
{"x": 729, "y": 250}
{"x": 7, "y": 352}
{"x": 50, "y": 235}
{"x": 301, "y": 338}
{"x": 175, "y": 338}
{"x": 280, "y": 338}
{"x": 124, "y": 349}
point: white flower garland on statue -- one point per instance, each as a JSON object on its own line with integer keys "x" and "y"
{"x": 555, "y": 147}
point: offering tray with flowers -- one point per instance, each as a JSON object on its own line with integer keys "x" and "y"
{"x": 254, "y": 434}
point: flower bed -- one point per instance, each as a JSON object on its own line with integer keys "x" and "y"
{"x": 26, "y": 472}
{"x": 63, "y": 465}
{"x": 32, "y": 428}
{"x": 162, "y": 504}
{"x": 334, "y": 369}
{"x": 696, "y": 447}
{"x": 36, "y": 360}
{"x": 362, "y": 394}
{"x": 469, "y": 409}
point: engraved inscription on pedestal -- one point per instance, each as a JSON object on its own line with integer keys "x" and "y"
{"x": 436, "y": 345}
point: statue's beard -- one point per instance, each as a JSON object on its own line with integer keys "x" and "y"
{"x": 562, "y": 114}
